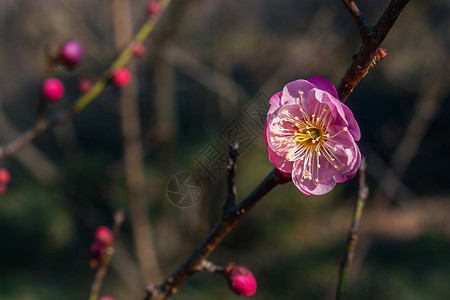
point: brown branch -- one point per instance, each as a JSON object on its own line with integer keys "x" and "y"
{"x": 232, "y": 191}
{"x": 229, "y": 219}
{"x": 365, "y": 57}
{"x": 353, "y": 233}
{"x": 363, "y": 26}
{"x": 40, "y": 127}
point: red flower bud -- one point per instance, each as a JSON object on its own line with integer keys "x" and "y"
{"x": 121, "y": 77}
{"x": 241, "y": 281}
{"x": 104, "y": 235}
{"x": 53, "y": 89}
{"x": 380, "y": 54}
{"x": 138, "y": 49}
{"x": 153, "y": 8}
{"x": 5, "y": 177}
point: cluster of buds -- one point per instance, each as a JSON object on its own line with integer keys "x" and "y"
{"x": 69, "y": 55}
{"x": 240, "y": 280}
{"x": 5, "y": 177}
{"x": 102, "y": 243}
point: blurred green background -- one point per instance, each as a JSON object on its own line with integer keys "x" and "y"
{"x": 205, "y": 64}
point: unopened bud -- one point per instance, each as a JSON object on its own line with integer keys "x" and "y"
{"x": 153, "y": 8}
{"x": 240, "y": 280}
{"x": 104, "y": 235}
{"x": 380, "y": 55}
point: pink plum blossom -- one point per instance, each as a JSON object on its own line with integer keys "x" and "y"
{"x": 311, "y": 134}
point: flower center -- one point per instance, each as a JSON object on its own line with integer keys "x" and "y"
{"x": 307, "y": 137}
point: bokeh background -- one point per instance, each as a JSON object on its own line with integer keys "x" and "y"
{"x": 205, "y": 63}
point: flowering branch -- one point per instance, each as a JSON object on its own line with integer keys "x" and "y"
{"x": 371, "y": 41}
{"x": 43, "y": 124}
{"x": 363, "y": 193}
{"x": 104, "y": 263}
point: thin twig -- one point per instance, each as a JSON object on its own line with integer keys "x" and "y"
{"x": 353, "y": 233}
{"x": 136, "y": 183}
{"x": 104, "y": 263}
{"x": 365, "y": 57}
{"x": 363, "y": 26}
{"x": 232, "y": 190}
{"x": 43, "y": 125}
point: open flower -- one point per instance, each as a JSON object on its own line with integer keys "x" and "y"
{"x": 312, "y": 135}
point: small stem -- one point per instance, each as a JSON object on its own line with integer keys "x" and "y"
{"x": 103, "y": 267}
{"x": 363, "y": 61}
{"x": 363, "y": 26}
{"x": 346, "y": 262}
{"x": 232, "y": 190}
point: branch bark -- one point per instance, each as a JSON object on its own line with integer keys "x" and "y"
{"x": 230, "y": 218}
{"x": 364, "y": 59}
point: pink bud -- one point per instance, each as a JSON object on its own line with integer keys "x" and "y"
{"x": 121, "y": 77}
{"x": 106, "y": 298}
{"x": 84, "y": 85}
{"x": 52, "y": 89}
{"x": 241, "y": 281}
{"x": 138, "y": 49}
{"x": 153, "y": 8}
{"x": 4, "y": 176}
{"x": 71, "y": 53}
{"x": 104, "y": 235}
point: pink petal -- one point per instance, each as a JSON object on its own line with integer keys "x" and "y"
{"x": 275, "y": 103}
{"x": 278, "y": 161}
{"x": 324, "y": 84}
{"x": 295, "y": 89}
{"x": 351, "y": 173}
{"x": 326, "y": 178}
{"x": 353, "y": 126}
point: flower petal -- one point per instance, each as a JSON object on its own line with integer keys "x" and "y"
{"x": 308, "y": 187}
{"x": 278, "y": 161}
{"x": 295, "y": 89}
{"x": 324, "y": 84}
{"x": 351, "y": 173}
{"x": 275, "y": 103}
{"x": 353, "y": 126}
